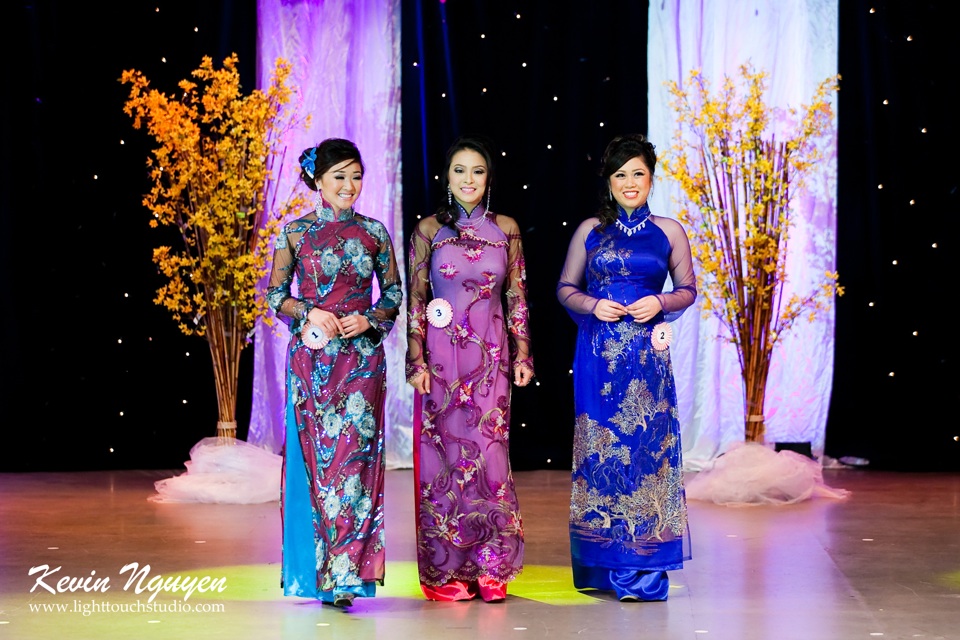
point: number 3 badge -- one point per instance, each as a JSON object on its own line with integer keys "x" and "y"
{"x": 439, "y": 313}
{"x": 662, "y": 336}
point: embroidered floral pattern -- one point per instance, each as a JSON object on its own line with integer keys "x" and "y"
{"x": 637, "y": 406}
{"x": 627, "y": 505}
{"x": 469, "y": 518}
{"x": 619, "y": 347}
{"x": 592, "y": 439}
{"x": 448, "y": 270}
{"x": 337, "y": 394}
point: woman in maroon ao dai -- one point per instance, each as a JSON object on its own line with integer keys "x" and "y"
{"x": 333, "y": 467}
{"x": 463, "y": 351}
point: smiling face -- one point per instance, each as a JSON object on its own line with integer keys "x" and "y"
{"x": 341, "y": 184}
{"x": 630, "y": 184}
{"x": 467, "y": 178}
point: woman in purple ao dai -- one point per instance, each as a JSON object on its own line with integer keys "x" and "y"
{"x": 467, "y": 339}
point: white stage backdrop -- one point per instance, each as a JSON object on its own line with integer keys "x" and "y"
{"x": 346, "y": 61}
{"x": 795, "y": 41}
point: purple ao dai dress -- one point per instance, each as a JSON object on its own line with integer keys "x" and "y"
{"x": 468, "y": 518}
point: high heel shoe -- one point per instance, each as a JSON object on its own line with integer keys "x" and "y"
{"x": 343, "y": 599}
{"x": 492, "y": 590}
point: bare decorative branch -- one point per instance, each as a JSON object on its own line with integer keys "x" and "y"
{"x": 738, "y": 182}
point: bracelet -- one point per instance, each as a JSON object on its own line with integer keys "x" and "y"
{"x": 414, "y": 371}
{"x": 305, "y": 309}
{"x": 526, "y": 362}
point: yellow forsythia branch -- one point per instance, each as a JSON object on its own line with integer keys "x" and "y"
{"x": 737, "y": 181}
{"x": 211, "y": 170}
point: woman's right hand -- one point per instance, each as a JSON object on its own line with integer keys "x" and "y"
{"x": 326, "y": 321}
{"x": 609, "y": 310}
{"x": 422, "y": 383}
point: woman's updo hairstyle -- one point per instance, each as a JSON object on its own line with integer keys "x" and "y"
{"x": 449, "y": 212}
{"x": 618, "y": 152}
{"x": 316, "y": 161}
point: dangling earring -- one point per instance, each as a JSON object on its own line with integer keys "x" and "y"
{"x": 610, "y": 193}
{"x": 449, "y": 196}
{"x": 318, "y": 202}
{"x": 488, "y": 198}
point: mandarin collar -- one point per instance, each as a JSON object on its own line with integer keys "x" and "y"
{"x": 473, "y": 218}
{"x": 326, "y": 213}
{"x": 639, "y": 214}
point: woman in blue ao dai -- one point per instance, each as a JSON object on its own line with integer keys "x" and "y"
{"x": 628, "y": 517}
{"x": 333, "y": 467}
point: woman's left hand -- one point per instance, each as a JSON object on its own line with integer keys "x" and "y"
{"x": 354, "y": 325}
{"x": 645, "y": 309}
{"x": 522, "y": 375}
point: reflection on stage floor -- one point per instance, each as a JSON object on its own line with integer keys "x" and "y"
{"x": 883, "y": 563}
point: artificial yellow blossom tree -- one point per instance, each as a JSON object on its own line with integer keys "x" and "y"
{"x": 214, "y": 167}
{"x": 738, "y": 179}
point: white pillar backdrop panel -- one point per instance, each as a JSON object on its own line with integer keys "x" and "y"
{"x": 346, "y": 62}
{"x": 796, "y": 43}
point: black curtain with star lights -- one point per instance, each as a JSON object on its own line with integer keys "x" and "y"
{"x": 98, "y": 377}
{"x": 894, "y": 397}
{"x": 550, "y": 87}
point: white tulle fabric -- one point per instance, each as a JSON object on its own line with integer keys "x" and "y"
{"x": 752, "y": 474}
{"x": 227, "y": 471}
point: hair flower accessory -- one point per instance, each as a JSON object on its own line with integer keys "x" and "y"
{"x": 439, "y": 313}
{"x": 313, "y": 336}
{"x": 662, "y": 336}
{"x": 308, "y": 161}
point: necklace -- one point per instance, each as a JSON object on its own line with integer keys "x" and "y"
{"x": 473, "y": 227}
{"x": 632, "y": 230}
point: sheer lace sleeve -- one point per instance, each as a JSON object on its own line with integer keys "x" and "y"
{"x": 684, "y": 291}
{"x": 570, "y": 288}
{"x": 418, "y": 289}
{"x": 292, "y": 311}
{"x": 383, "y": 314}
{"x": 518, "y": 318}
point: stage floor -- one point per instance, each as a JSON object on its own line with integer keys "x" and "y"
{"x": 883, "y": 563}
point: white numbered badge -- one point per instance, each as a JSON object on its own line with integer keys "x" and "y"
{"x": 439, "y": 313}
{"x": 662, "y": 336}
{"x": 313, "y": 336}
